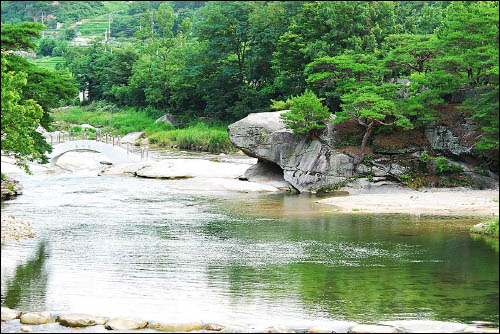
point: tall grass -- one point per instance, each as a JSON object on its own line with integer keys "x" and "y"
{"x": 196, "y": 136}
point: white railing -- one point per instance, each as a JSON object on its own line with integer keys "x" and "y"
{"x": 106, "y": 138}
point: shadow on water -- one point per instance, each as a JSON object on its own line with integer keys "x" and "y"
{"x": 29, "y": 282}
{"x": 491, "y": 242}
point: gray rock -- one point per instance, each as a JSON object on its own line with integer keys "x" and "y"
{"x": 80, "y": 320}
{"x": 441, "y": 138}
{"x": 132, "y": 137}
{"x": 426, "y": 326}
{"x": 9, "y": 314}
{"x": 35, "y": 318}
{"x": 125, "y": 323}
{"x": 169, "y": 119}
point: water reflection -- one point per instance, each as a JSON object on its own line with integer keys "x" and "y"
{"x": 28, "y": 286}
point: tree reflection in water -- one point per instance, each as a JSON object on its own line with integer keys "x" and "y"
{"x": 28, "y": 286}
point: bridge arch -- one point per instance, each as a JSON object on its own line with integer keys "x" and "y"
{"x": 116, "y": 154}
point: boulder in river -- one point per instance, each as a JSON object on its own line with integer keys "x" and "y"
{"x": 126, "y": 323}
{"x": 35, "y": 318}
{"x": 80, "y": 320}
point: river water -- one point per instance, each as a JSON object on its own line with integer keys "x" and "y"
{"x": 116, "y": 245}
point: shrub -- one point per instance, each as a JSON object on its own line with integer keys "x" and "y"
{"x": 4, "y": 176}
{"x": 307, "y": 114}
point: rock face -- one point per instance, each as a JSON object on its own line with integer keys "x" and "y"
{"x": 329, "y": 161}
{"x": 169, "y": 119}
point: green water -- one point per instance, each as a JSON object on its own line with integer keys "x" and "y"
{"x": 127, "y": 246}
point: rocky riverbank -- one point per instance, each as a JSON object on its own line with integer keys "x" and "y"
{"x": 14, "y": 229}
{"x": 10, "y": 188}
{"x": 14, "y": 321}
{"x": 439, "y": 156}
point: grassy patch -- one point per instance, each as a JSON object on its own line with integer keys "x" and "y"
{"x": 198, "y": 137}
{"x": 489, "y": 227}
{"x": 4, "y": 176}
{"x": 48, "y": 62}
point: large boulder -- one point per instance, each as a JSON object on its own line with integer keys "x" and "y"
{"x": 9, "y": 314}
{"x": 307, "y": 164}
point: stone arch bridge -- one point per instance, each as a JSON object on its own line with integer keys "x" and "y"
{"x": 115, "y": 154}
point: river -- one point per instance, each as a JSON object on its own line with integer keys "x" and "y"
{"x": 117, "y": 245}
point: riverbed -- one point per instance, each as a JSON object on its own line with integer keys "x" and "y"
{"x": 156, "y": 249}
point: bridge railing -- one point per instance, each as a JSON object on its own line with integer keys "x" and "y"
{"x": 103, "y": 137}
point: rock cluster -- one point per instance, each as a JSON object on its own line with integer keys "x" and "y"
{"x": 14, "y": 229}
{"x": 44, "y": 322}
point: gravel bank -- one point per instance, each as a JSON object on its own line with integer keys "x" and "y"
{"x": 14, "y": 228}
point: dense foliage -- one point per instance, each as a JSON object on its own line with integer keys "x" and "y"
{"x": 384, "y": 64}
{"x": 28, "y": 93}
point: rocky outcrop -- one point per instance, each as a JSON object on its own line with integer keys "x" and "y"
{"x": 10, "y": 188}
{"x": 329, "y": 161}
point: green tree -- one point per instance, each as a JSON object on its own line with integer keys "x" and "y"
{"x": 307, "y": 114}
{"x": 20, "y": 118}
{"x": 372, "y": 105}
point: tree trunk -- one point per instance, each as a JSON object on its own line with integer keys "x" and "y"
{"x": 365, "y": 140}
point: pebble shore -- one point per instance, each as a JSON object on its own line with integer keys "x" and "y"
{"x": 15, "y": 228}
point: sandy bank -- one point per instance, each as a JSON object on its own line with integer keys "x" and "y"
{"x": 445, "y": 202}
